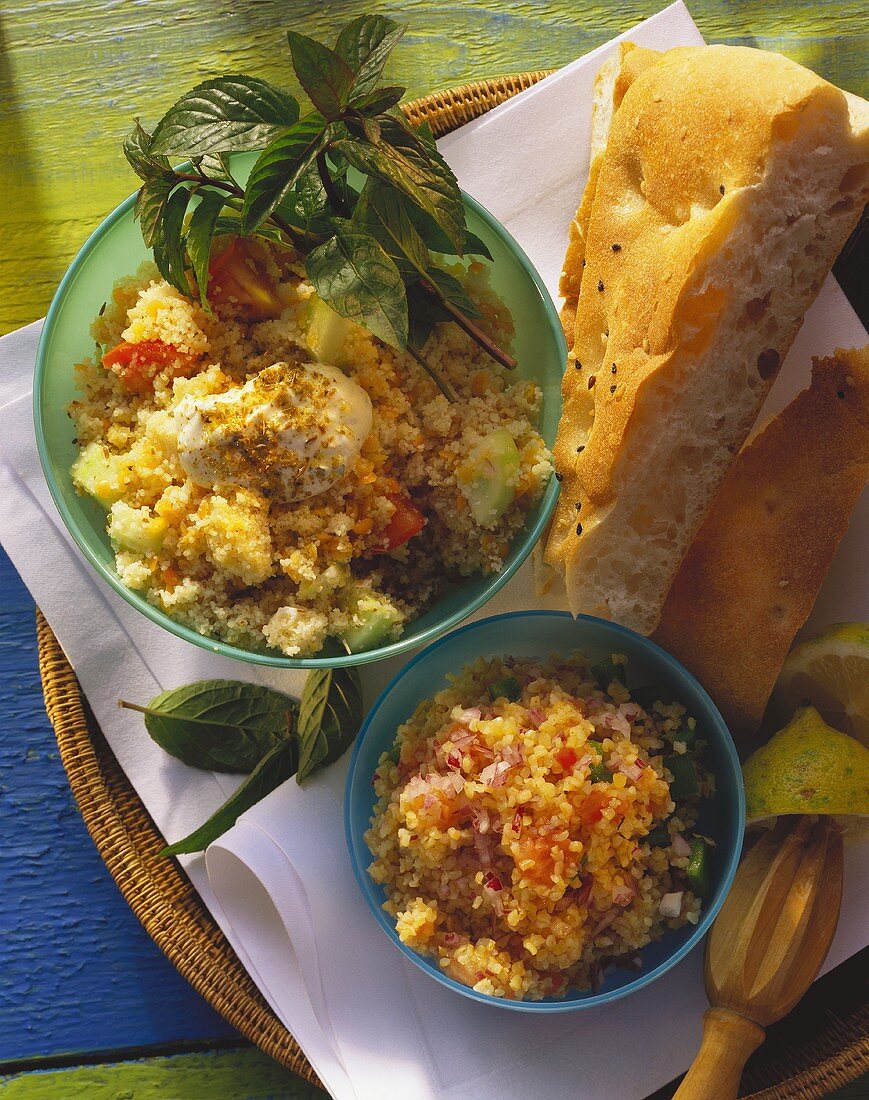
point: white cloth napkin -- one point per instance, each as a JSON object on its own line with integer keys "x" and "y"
{"x": 279, "y": 883}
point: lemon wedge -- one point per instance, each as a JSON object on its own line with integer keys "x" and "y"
{"x": 830, "y": 671}
{"x": 807, "y": 768}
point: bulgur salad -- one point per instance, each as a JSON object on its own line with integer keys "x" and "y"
{"x": 536, "y": 823}
{"x": 275, "y": 476}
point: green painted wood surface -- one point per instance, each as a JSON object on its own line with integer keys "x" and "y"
{"x": 225, "y": 1075}
{"x": 73, "y": 73}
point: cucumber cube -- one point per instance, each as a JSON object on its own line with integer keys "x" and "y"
{"x": 489, "y": 475}
{"x": 326, "y": 331}
{"x": 136, "y": 529}
{"x": 373, "y": 619}
{"x": 98, "y": 474}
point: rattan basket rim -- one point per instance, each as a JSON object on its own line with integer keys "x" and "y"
{"x": 162, "y": 897}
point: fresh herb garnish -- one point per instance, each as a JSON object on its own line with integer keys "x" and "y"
{"x": 330, "y": 714}
{"x": 234, "y": 726}
{"x": 373, "y": 251}
{"x": 220, "y": 725}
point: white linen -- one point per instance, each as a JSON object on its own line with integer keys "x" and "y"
{"x": 280, "y": 882}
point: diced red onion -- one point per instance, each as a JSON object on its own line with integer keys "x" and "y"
{"x": 471, "y": 714}
{"x": 429, "y": 801}
{"x": 632, "y": 771}
{"x": 680, "y": 846}
{"x": 624, "y": 894}
{"x": 415, "y": 787}
{"x": 481, "y": 819}
{"x": 513, "y": 754}
{"x": 495, "y": 774}
{"x": 536, "y": 717}
{"x": 671, "y": 904}
{"x": 604, "y": 922}
{"x": 484, "y": 846}
{"x": 453, "y": 760}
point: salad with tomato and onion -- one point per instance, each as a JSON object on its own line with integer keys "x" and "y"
{"x": 274, "y": 475}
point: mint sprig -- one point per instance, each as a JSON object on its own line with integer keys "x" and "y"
{"x": 374, "y": 249}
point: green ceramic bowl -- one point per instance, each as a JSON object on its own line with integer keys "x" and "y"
{"x": 116, "y": 249}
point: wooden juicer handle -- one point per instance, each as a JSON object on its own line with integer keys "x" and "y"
{"x": 766, "y": 947}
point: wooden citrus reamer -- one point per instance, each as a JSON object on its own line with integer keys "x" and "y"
{"x": 766, "y": 947}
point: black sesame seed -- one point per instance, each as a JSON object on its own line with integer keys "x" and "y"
{"x": 721, "y": 189}
{"x": 579, "y": 528}
{"x": 840, "y": 394}
{"x": 559, "y": 476}
{"x": 600, "y": 285}
{"x": 583, "y": 263}
{"x": 615, "y": 369}
{"x": 612, "y": 389}
{"x": 578, "y": 365}
{"x": 616, "y": 247}
{"x": 591, "y": 381}
{"x": 578, "y": 505}
{"x": 580, "y": 448}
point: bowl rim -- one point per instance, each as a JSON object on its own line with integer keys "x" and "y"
{"x": 710, "y": 911}
{"x": 215, "y": 645}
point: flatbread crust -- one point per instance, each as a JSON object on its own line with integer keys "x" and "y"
{"x": 753, "y": 573}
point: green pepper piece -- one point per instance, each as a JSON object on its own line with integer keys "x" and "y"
{"x": 699, "y": 869}
{"x": 596, "y": 745}
{"x": 605, "y": 671}
{"x": 684, "y": 784}
{"x": 600, "y": 774}
{"x": 509, "y": 688}
{"x": 659, "y": 837}
{"x": 684, "y": 734}
{"x": 646, "y": 696}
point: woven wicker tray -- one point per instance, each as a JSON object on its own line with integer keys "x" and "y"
{"x": 822, "y": 1045}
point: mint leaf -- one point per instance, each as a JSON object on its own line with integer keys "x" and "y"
{"x": 379, "y": 101}
{"x": 330, "y": 714}
{"x": 200, "y": 234}
{"x": 273, "y": 769}
{"x": 137, "y": 150}
{"x": 383, "y": 212}
{"x": 169, "y": 251}
{"x": 451, "y": 290}
{"x": 278, "y": 168}
{"x": 365, "y": 44}
{"x": 219, "y": 725}
{"x": 325, "y": 76}
{"x": 227, "y": 114}
{"x": 403, "y": 161}
{"x": 150, "y": 205}
{"x": 353, "y": 275}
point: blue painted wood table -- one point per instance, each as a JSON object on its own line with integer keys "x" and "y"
{"x": 82, "y": 988}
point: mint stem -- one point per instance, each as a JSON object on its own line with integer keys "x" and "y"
{"x": 467, "y": 325}
{"x": 445, "y": 388}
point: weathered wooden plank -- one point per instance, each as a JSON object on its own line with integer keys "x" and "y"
{"x": 238, "y": 1074}
{"x": 77, "y": 970}
{"x": 73, "y": 73}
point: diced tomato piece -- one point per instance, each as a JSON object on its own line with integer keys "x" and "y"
{"x": 235, "y": 274}
{"x": 566, "y": 757}
{"x": 407, "y": 520}
{"x": 137, "y": 364}
{"x": 592, "y": 808}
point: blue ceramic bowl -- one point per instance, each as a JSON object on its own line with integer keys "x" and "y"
{"x": 539, "y": 634}
{"x": 116, "y": 249}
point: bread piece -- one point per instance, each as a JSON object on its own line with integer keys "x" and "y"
{"x": 752, "y": 574}
{"x": 610, "y": 84}
{"x": 731, "y": 180}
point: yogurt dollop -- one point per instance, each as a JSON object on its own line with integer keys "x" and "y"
{"x": 290, "y": 432}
